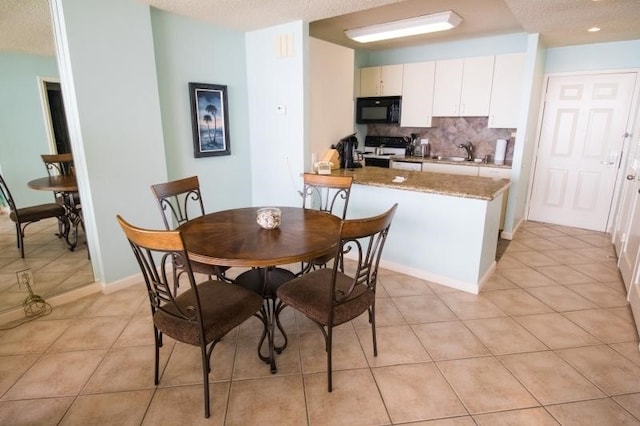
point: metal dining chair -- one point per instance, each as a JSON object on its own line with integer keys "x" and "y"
{"x": 329, "y": 194}
{"x": 200, "y": 315}
{"x": 25, "y": 216}
{"x": 181, "y": 200}
{"x": 330, "y": 297}
{"x": 62, "y": 164}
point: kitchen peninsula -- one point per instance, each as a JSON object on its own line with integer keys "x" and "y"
{"x": 446, "y": 227}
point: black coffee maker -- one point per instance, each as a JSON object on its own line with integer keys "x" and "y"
{"x": 346, "y": 147}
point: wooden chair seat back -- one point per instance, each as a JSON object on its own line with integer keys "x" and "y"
{"x": 178, "y": 201}
{"x": 327, "y": 193}
{"x": 58, "y": 164}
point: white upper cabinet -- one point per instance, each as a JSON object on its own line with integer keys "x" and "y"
{"x": 381, "y": 81}
{"x": 417, "y": 94}
{"x": 447, "y": 88}
{"x": 463, "y": 87}
{"x": 508, "y": 76}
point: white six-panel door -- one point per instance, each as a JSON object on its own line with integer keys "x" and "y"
{"x": 583, "y": 127}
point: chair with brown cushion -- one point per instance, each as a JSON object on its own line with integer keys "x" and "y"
{"x": 200, "y": 315}
{"x": 330, "y": 297}
{"x": 27, "y": 215}
{"x": 181, "y": 200}
{"x": 329, "y": 194}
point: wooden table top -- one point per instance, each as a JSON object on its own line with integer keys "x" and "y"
{"x": 58, "y": 183}
{"x": 234, "y": 238}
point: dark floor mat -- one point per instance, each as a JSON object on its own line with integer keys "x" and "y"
{"x": 502, "y": 246}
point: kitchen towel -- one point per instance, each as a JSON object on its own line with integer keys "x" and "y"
{"x": 501, "y": 150}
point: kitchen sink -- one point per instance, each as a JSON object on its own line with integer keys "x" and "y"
{"x": 441, "y": 158}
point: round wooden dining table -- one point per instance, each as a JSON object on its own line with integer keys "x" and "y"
{"x": 66, "y": 185}
{"x": 234, "y": 238}
{"x": 56, "y": 183}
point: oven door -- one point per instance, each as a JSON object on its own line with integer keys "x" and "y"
{"x": 377, "y": 162}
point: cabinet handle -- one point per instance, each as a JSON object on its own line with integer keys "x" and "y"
{"x": 631, "y": 177}
{"x": 607, "y": 163}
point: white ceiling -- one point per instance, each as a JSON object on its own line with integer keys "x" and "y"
{"x": 25, "y": 25}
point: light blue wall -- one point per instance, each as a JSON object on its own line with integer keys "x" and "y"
{"x": 108, "y": 74}
{"x": 277, "y": 140}
{"x": 191, "y": 51}
{"x": 495, "y": 45}
{"x": 524, "y": 149}
{"x": 597, "y": 56}
{"x": 22, "y": 130}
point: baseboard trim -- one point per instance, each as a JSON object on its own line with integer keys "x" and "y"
{"x": 54, "y": 301}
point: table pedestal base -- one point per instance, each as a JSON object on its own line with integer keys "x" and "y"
{"x": 265, "y": 282}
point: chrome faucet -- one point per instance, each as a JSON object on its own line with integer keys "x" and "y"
{"x": 469, "y": 149}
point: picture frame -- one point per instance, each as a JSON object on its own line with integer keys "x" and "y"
{"x": 209, "y": 119}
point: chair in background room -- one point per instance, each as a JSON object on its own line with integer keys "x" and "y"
{"x": 62, "y": 164}
{"x": 181, "y": 200}
{"x": 27, "y": 215}
{"x": 330, "y": 297}
{"x": 58, "y": 164}
{"x": 329, "y": 194}
{"x": 202, "y": 314}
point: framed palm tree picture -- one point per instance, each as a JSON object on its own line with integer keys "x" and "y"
{"x": 210, "y": 119}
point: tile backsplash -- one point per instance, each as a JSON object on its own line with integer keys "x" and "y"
{"x": 447, "y": 133}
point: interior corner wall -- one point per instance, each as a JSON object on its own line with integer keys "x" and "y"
{"x": 526, "y": 139}
{"x": 22, "y": 125}
{"x": 187, "y": 51}
{"x": 331, "y": 96}
{"x": 108, "y": 76}
{"x": 277, "y": 89}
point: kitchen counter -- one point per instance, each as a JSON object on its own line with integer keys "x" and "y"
{"x": 445, "y": 229}
{"x": 482, "y": 188}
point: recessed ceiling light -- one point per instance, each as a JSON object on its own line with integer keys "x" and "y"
{"x": 593, "y": 29}
{"x": 406, "y": 27}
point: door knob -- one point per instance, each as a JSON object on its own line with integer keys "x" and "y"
{"x": 631, "y": 177}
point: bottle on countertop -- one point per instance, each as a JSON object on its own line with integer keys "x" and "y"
{"x": 408, "y": 150}
{"x": 413, "y": 145}
{"x": 425, "y": 148}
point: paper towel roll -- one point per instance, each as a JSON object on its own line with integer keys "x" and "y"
{"x": 501, "y": 150}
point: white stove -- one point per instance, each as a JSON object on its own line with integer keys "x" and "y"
{"x": 378, "y": 150}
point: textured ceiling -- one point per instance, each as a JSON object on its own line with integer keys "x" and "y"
{"x": 25, "y": 25}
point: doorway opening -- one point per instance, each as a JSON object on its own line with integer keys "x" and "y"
{"x": 55, "y": 117}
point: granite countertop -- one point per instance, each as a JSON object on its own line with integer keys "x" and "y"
{"x": 506, "y": 165}
{"x": 483, "y": 188}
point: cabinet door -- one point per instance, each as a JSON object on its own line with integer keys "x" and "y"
{"x": 404, "y": 165}
{"x": 508, "y": 74}
{"x": 391, "y": 80}
{"x": 447, "y": 88}
{"x": 477, "y": 75}
{"x": 494, "y": 172}
{"x": 417, "y": 94}
{"x": 450, "y": 168}
{"x": 369, "y": 82}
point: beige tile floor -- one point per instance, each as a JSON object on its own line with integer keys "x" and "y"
{"x": 550, "y": 340}
{"x": 55, "y": 269}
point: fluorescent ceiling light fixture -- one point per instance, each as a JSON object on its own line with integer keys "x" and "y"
{"x": 406, "y": 27}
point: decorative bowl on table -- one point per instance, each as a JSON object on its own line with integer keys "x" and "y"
{"x": 269, "y": 217}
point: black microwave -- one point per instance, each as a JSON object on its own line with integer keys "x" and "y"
{"x": 385, "y": 109}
